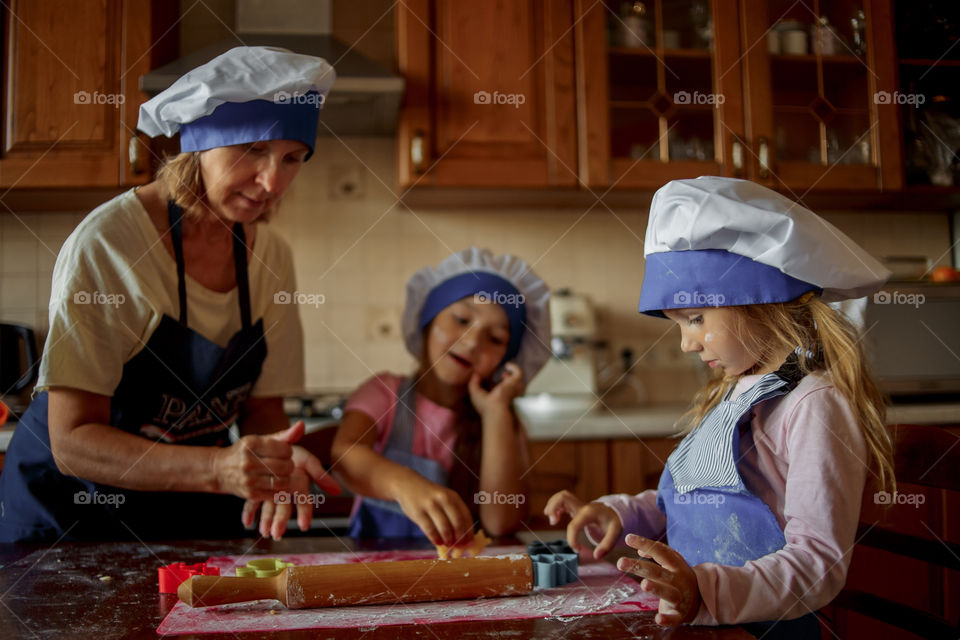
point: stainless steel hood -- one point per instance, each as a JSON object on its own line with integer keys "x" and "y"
{"x": 365, "y": 98}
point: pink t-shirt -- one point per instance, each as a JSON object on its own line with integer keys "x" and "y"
{"x": 435, "y": 432}
{"x": 807, "y": 460}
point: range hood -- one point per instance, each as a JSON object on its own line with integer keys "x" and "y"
{"x": 365, "y": 98}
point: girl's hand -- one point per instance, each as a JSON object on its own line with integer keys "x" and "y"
{"x": 509, "y": 387}
{"x": 669, "y": 578}
{"x": 439, "y": 512}
{"x": 584, "y": 515}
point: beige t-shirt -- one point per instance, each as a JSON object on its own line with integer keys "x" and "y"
{"x": 114, "y": 281}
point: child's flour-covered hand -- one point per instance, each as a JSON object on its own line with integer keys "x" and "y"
{"x": 583, "y": 515}
{"x": 669, "y": 578}
{"x": 501, "y": 396}
{"x": 440, "y": 512}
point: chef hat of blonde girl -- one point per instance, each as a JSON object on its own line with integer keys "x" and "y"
{"x": 715, "y": 242}
{"x": 505, "y": 280}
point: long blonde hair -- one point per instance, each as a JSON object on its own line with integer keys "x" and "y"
{"x": 828, "y": 342}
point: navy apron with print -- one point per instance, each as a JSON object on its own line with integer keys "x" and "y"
{"x": 180, "y": 389}
{"x": 377, "y": 518}
{"x": 711, "y": 515}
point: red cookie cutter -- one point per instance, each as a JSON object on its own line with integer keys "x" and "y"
{"x": 173, "y": 574}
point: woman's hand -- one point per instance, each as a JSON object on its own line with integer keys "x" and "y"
{"x": 255, "y": 467}
{"x": 277, "y": 509}
{"x": 439, "y": 512}
{"x": 669, "y": 578}
{"x": 275, "y": 513}
{"x": 509, "y": 387}
{"x": 584, "y": 515}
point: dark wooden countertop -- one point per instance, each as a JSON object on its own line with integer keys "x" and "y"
{"x": 57, "y": 592}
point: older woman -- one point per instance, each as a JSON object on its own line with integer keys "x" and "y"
{"x": 166, "y": 327}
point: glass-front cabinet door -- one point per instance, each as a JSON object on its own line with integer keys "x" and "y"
{"x": 659, "y": 91}
{"x": 819, "y": 94}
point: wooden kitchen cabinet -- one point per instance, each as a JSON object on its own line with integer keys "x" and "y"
{"x": 578, "y": 466}
{"x": 825, "y": 119}
{"x": 900, "y": 578}
{"x": 71, "y": 70}
{"x": 650, "y": 113}
{"x": 630, "y": 95}
{"x": 716, "y": 101}
{"x": 490, "y": 94}
{"x": 593, "y": 468}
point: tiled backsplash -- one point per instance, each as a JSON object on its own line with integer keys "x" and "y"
{"x": 358, "y": 250}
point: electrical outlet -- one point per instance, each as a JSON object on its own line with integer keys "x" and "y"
{"x": 346, "y": 181}
{"x": 383, "y": 323}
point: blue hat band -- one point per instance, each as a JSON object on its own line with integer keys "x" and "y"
{"x": 492, "y": 287}
{"x": 713, "y": 278}
{"x": 255, "y": 121}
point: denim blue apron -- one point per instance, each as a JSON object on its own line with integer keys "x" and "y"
{"x": 181, "y": 388}
{"x": 377, "y": 518}
{"x": 711, "y": 515}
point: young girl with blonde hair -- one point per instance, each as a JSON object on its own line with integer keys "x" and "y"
{"x": 759, "y": 502}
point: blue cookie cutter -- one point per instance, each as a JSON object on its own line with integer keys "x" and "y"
{"x": 554, "y": 563}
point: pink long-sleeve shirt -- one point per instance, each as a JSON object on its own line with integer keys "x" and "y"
{"x": 806, "y": 458}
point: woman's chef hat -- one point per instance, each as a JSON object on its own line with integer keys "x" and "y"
{"x": 248, "y": 94}
{"x": 505, "y": 280}
{"x": 719, "y": 242}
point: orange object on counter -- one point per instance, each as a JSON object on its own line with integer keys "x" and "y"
{"x": 945, "y": 274}
{"x": 4, "y": 413}
{"x": 480, "y": 541}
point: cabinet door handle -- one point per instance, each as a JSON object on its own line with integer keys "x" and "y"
{"x": 763, "y": 156}
{"x": 133, "y": 155}
{"x": 736, "y": 157}
{"x": 417, "y": 159}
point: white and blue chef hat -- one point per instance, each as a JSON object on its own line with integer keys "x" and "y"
{"x": 505, "y": 280}
{"x": 248, "y": 94}
{"x": 723, "y": 242}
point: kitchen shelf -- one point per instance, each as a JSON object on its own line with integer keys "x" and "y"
{"x": 810, "y": 58}
{"x": 655, "y": 52}
{"x": 928, "y": 62}
{"x": 646, "y": 104}
{"x": 850, "y": 111}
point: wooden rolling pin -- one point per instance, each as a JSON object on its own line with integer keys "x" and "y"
{"x": 370, "y": 583}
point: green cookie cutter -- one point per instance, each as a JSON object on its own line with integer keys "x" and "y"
{"x": 263, "y": 568}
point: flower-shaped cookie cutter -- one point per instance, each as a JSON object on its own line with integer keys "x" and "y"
{"x": 262, "y": 568}
{"x": 554, "y": 563}
{"x": 172, "y": 575}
